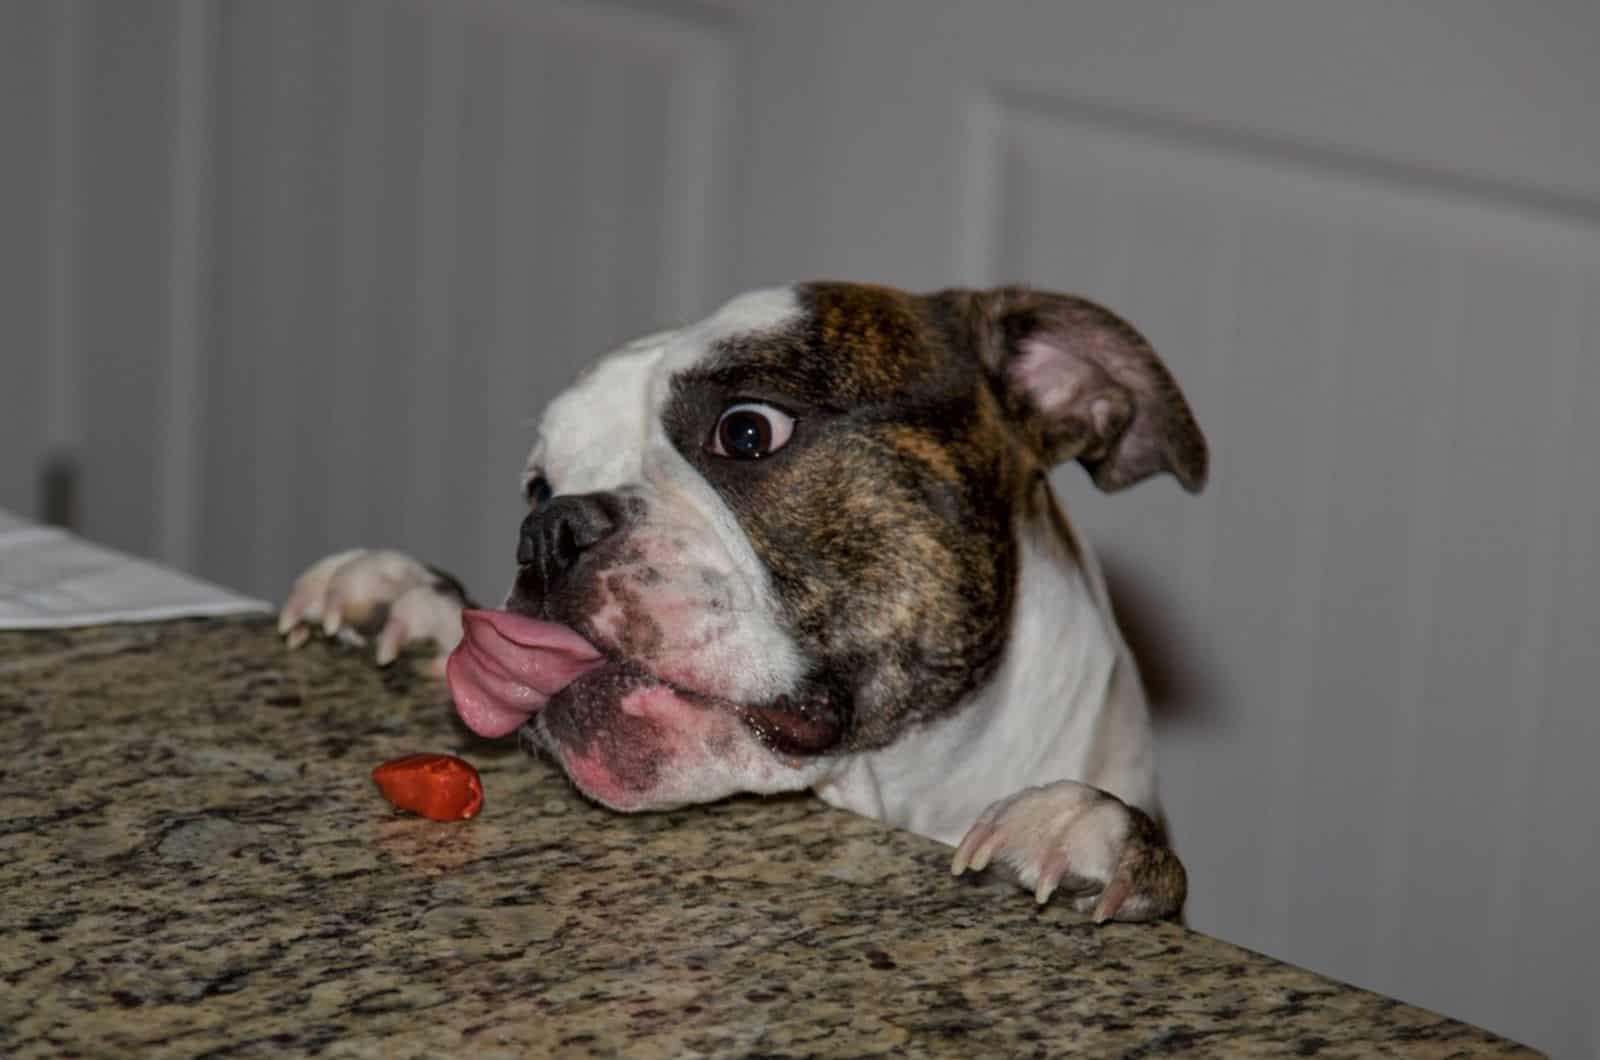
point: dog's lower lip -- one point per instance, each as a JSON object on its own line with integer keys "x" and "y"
{"x": 798, "y": 728}
{"x": 794, "y": 730}
{"x": 808, "y": 727}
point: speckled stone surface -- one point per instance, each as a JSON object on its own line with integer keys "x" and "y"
{"x": 194, "y": 861}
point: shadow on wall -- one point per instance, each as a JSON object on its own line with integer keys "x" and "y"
{"x": 1182, "y": 688}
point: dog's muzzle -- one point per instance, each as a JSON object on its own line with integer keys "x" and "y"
{"x": 554, "y": 538}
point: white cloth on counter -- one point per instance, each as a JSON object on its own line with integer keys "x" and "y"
{"x": 51, "y": 579}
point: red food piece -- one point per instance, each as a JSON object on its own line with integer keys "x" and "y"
{"x": 440, "y": 787}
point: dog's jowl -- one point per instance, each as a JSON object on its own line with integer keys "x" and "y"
{"x": 810, "y": 542}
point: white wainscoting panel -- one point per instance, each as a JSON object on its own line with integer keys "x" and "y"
{"x": 300, "y": 275}
{"x": 29, "y": 324}
{"x": 428, "y": 219}
{"x": 1370, "y": 642}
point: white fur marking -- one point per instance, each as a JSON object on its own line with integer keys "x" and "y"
{"x": 1048, "y": 714}
{"x": 606, "y": 434}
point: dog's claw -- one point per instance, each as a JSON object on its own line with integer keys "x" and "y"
{"x": 390, "y": 642}
{"x": 1050, "y": 878}
{"x": 962, "y": 860}
{"x": 986, "y": 850}
{"x": 1109, "y": 854}
{"x": 352, "y": 595}
{"x": 1112, "y": 898}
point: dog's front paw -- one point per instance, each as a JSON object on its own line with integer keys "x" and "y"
{"x": 368, "y": 593}
{"x": 1109, "y": 856}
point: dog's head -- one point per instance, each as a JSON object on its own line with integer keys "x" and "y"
{"x": 789, "y": 533}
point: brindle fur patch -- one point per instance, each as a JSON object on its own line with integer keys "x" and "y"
{"x": 887, "y": 522}
{"x": 1154, "y": 872}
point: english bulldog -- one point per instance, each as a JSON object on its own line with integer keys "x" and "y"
{"x": 810, "y": 543}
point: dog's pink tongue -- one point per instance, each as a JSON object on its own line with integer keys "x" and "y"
{"x": 508, "y": 666}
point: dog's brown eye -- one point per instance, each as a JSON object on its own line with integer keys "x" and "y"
{"x": 751, "y": 430}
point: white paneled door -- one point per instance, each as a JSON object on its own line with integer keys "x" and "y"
{"x": 287, "y": 277}
{"x": 1366, "y": 237}
{"x": 284, "y": 275}
{"x": 427, "y": 219}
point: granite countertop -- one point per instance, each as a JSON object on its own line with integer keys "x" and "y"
{"x": 194, "y": 860}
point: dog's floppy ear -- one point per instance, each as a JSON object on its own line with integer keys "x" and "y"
{"x": 1081, "y": 383}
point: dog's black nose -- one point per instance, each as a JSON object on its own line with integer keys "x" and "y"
{"x": 562, "y": 530}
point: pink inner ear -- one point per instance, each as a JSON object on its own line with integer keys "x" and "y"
{"x": 1053, "y": 378}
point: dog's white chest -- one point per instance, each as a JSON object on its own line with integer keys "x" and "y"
{"x": 1059, "y": 707}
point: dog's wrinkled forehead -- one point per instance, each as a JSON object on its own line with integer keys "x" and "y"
{"x": 595, "y": 435}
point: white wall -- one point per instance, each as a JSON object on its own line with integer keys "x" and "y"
{"x": 286, "y": 277}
